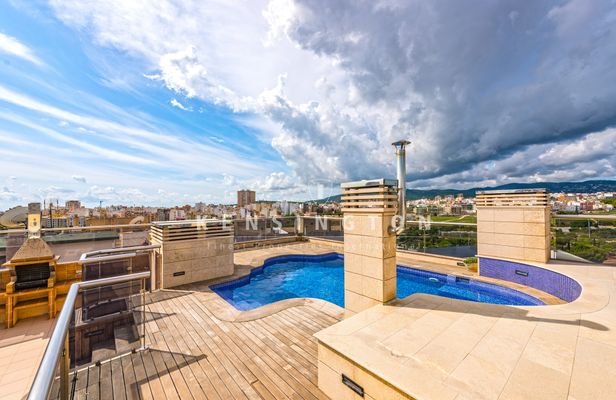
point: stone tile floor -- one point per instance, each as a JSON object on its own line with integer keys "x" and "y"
{"x": 21, "y": 351}
{"x": 436, "y": 348}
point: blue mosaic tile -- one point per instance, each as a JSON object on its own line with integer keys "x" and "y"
{"x": 554, "y": 283}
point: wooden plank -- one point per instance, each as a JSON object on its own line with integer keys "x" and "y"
{"x": 164, "y": 378}
{"x": 106, "y": 392}
{"x": 81, "y": 384}
{"x": 117, "y": 379}
{"x": 279, "y": 376}
{"x": 231, "y": 342}
{"x": 262, "y": 390}
{"x": 276, "y": 349}
{"x": 174, "y": 369}
{"x": 295, "y": 343}
{"x": 223, "y": 358}
{"x": 280, "y": 372}
{"x": 183, "y": 361}
{"x": 130, "y": 381}
{"x": 93, "y": 388}
{"x": 152, "y": 375}
{"x": 215, "y": 387}
{"x": 141, "y": 378}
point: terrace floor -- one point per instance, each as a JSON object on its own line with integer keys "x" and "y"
{"x": 201, "y": 347}
{"x": 21, "y": 350}
{"x": 194, "y": 354}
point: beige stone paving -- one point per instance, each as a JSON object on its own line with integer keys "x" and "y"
{"x": 436, "y": 348}
{"x": 21, "y": 351}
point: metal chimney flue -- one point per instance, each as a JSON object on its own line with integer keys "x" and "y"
{"x": 400, "y": 147}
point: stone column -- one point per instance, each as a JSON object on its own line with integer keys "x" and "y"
{"x": 513, "y": 224}
{"x": 369, "y": 209}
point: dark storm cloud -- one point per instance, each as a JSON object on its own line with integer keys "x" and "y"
{"x": 476, "y": 83}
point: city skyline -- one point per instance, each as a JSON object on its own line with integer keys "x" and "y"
{"x": 279, "y": 98}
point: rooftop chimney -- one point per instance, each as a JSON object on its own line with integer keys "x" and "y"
{"x": 401, "y": 175}
{"x": 34, "y": 220}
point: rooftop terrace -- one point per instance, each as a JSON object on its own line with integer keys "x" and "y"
{"x": 429, "y": 347}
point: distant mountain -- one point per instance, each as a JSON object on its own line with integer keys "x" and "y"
{"x": 553, "y": 187}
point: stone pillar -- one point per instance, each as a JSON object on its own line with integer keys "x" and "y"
{"x": 369, "y": 209}
{"x": 513, "y": 224}
{"x": 299, "y": 225}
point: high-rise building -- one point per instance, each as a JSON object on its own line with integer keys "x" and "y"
{"x": 245, "y": 197}
{"x": 73, "y": 205}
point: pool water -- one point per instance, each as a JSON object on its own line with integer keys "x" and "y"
{"x": 322, "y": 277}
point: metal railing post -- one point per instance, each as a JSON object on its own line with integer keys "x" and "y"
{"x": 64, "y": 370}
{"x": 143, "y": 314}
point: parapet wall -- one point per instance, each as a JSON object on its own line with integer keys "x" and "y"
{"x": 551, "y": 282}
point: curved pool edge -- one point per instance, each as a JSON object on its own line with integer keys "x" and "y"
{"x": 594, "y": 295}
{"x": 547, "y": 280}
{"x": 240, "y": 281}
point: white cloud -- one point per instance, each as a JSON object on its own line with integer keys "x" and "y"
{"x": 176, "y": 103}
{"x": 229, "y": 180}
{"x": 275, "y": 182}
{"x": 186, "y": 154}
{"x": 79, "y": 143}
{"x": 470, "y": 85}
{"x": 8, "y": 196}
{"x": 12, "y": 46}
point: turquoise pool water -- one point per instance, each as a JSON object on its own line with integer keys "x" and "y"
{"x": 322, "y": 277}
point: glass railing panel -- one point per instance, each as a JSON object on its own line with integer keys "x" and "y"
{"x": 592, "y": 238}
{"x": 446, "y": 239}
{"x": 70, "y": 243}
{"x": 107, "y": 323}
{"x": 324, "y": 227}
{"x": 259, "y": 228}
{"x": 10, "y": 241}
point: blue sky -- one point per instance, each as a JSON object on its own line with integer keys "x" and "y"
{"x": 175, "y": 102}
{"x": 69, "y": 130}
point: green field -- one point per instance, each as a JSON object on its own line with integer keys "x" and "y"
{"x": 469, "y": 219}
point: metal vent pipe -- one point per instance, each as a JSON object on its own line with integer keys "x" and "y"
{"x": 401, "y": 172}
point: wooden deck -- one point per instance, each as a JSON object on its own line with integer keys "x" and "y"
{"x": 193, "y": 354}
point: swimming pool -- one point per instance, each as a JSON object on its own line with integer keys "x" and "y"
{"x": 322, "y": 277}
